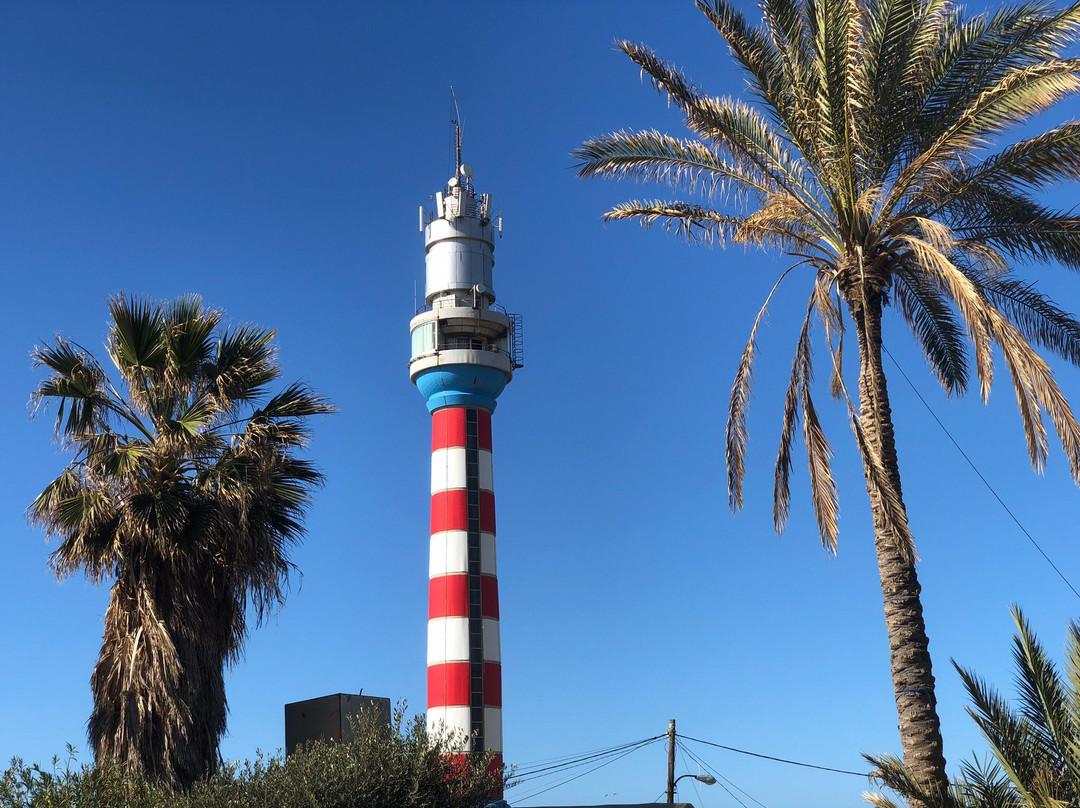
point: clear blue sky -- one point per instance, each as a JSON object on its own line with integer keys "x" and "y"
{"x": 271, "y": 157}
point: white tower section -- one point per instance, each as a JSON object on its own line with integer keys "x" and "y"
{"x": 460, "y": 324}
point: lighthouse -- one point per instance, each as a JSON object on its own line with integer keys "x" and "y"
{"x": 465, "y": 349}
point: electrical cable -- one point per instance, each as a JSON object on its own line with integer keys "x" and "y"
{"x": 690, "y": 753}
{"x": 570, "y": 762}
{"x": 776, "y": 759}
{"x": 978, "y": 473}
{"x": 580, "y": 774}
{"x": 686, "y": 752}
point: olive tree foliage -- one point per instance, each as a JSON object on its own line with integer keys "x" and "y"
{"x": 383, "y": 766}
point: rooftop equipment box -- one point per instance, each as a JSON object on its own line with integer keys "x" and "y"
{"x": 327, "y": 718}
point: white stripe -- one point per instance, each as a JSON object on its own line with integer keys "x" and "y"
{"x": 492, "y": 652}
{"x": 450, "y": 553}
{"x": 493, "y": 739}
{"x": 448, "y": 469}
{"x": 456, "y": 721}
{"x": 485, "y": 471}
{"x": 448, "y": 640}
{"x": 487, "y": 553}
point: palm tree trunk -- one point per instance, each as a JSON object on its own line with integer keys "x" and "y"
{"x": 913, "y": 678}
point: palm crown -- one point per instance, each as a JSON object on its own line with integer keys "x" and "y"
{"x": 866, "y": 160}
{"x": 185, "y": 490}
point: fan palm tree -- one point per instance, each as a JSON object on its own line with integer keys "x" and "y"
{"x": 1036, "y": 748}
{"x": 870, "y": 155}
{"x": 185, "y": 492}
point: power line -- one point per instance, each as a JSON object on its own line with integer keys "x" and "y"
{"x": 573, "y": 761}
{"x": 717, "y": 774}
{"x": 978, "y": 473}
{"x": 775, "y": 759}
{"x": 582, "y": 774}
{"x": 604, "y": 757}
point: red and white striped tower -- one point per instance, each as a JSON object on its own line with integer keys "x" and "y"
{"x": 464, "y": 352}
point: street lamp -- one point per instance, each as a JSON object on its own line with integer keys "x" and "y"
{"x": 707, "y": 779}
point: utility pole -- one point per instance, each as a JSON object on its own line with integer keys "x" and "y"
{"x": 671, "y": 762}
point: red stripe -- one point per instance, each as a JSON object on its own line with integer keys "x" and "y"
{"x": 487, "y": 512}
{"x": 448, "y": 596}
{"x": 448, "y": 685}
{"x": 489, "y": 596}
{"x": 483, "y": 429}
{"x": 450, "y": 511}
{"x": 492, "y": 684}
{"x": 448, "y": 428}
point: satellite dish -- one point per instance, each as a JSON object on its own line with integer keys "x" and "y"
{"x": 466, "y": 170}
{"x": 480, "y": 289}
{"x": 452, "y": 182}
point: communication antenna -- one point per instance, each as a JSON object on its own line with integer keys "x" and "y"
{"x": 455, "y": 121}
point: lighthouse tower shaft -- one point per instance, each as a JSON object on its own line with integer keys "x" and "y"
{"x": 464, "y": 352}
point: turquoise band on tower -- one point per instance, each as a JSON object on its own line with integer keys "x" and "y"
{"x": 461, "y": 386}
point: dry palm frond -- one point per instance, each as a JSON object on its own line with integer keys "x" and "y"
{"x": 1034, "y": 381}
{"x": 739, "y": 405}
{"x": 691, "y": 222}
{"x": 880, "y": 483}
{"x": 782, "y": 475}
{"x": 822, "y": 486}
{"x": 651, "y": 156}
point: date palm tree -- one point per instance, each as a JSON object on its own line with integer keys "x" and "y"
{"x": 871, "y": 155}
{"x": 1035, "y": 745}
{"x": 185, "y": 492}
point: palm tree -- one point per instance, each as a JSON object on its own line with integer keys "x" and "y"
{"x": 870, "y": 156}
{"x": 1036, "y": 748}
{"x": 184, "y": 490}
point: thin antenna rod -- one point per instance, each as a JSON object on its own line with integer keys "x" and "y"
{"x": 456, "y": 121}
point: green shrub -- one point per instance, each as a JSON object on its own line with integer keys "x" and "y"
{"x": 399, "y": 766}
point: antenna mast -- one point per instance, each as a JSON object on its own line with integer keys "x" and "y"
{"x": 456, "y": 122}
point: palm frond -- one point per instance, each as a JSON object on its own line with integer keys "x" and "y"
{"x": 1043, "y": 698}
{"x": 758, "y": 55}
{"x": 822, "y": 485}
{"x": 735, "y": 437}
{"x": 782, "y": 474}
{"x": 694, "y": 223}
{"x": 1038, "y": 318}
{"x": 246, "y": 362}
{"x": 935, "y": 327}
{"x": 651, "y": 156}
{"x": 1017, "y": 97}
{"x": 1034, "y": 380}
{"x": 971, "y": 304}
{"x": 79, "y": 383}
{"x": 135, "y": 336}
{"x": 1016, "y": 225}
{"x": 978, "y": 53}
